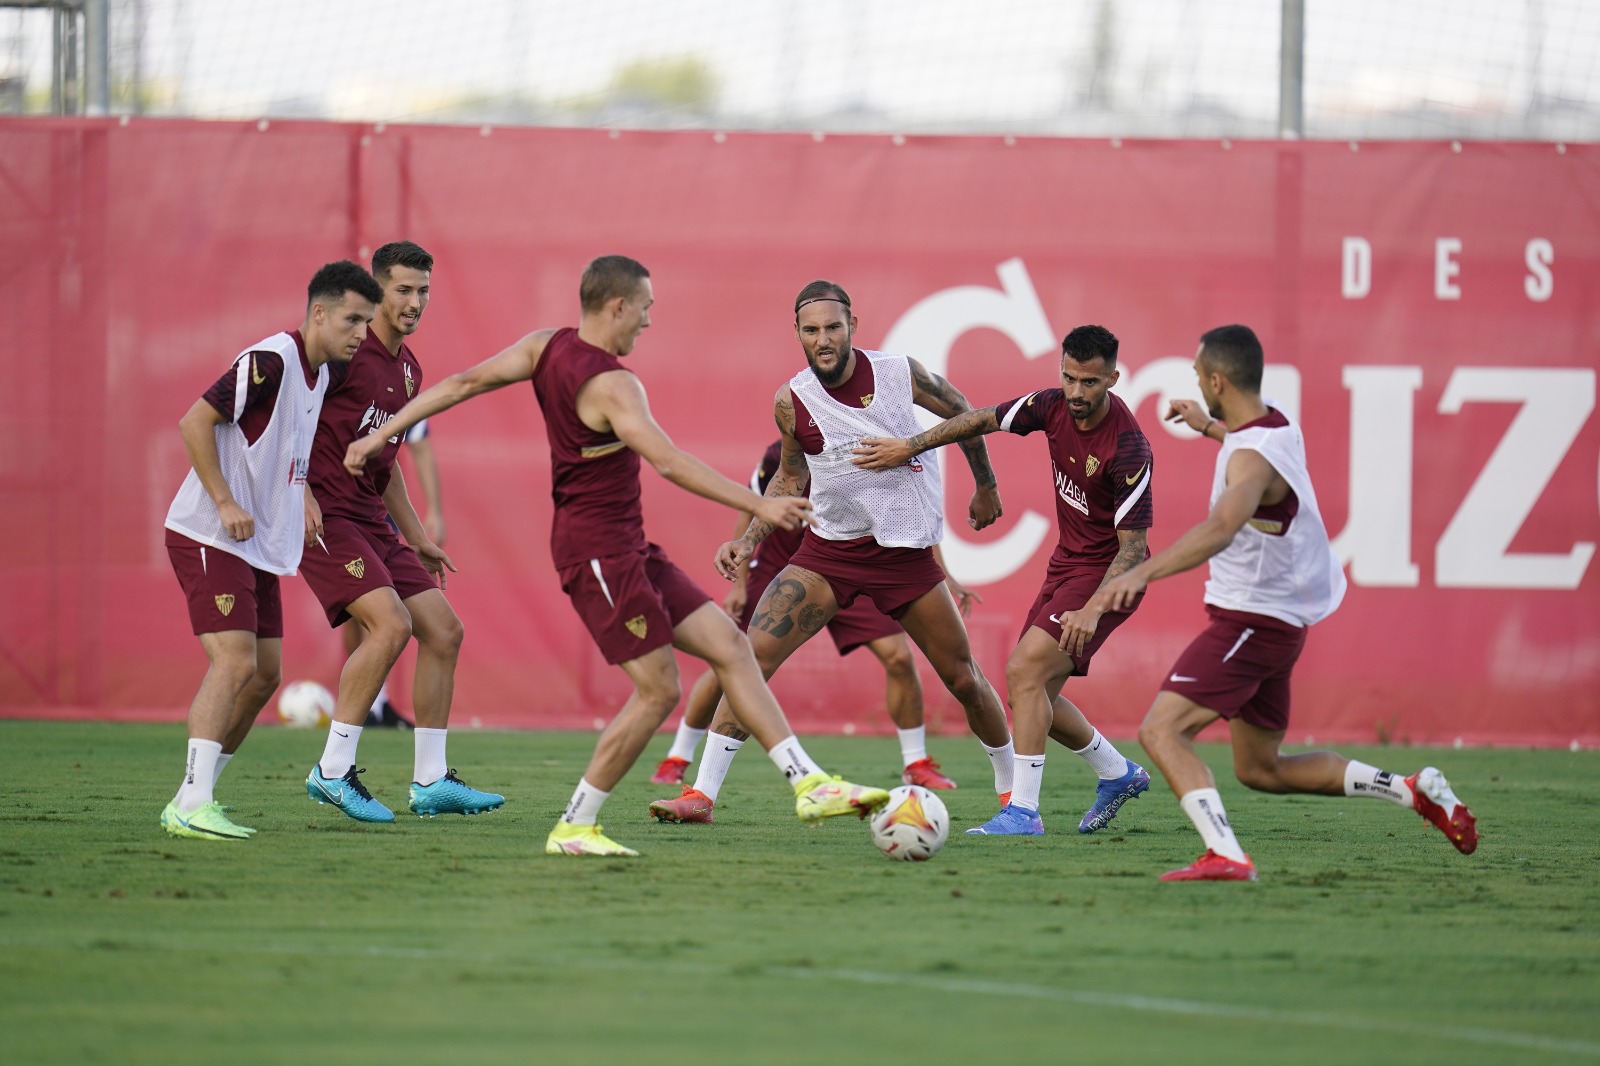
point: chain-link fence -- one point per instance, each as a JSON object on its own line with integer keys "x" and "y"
{"x": 1165, "y": 68}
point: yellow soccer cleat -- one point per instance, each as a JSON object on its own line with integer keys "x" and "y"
{"x": 207, "y": 822}
{"x": 569, "y": 839}
{"x": 820, "y": 796}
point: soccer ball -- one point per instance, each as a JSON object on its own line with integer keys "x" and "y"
{"x": 306, "y": 705}
{"x": 912, "y": 826}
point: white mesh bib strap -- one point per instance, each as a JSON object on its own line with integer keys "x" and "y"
{"x": 899, "y": 508}
{"x": 267, "y": 478}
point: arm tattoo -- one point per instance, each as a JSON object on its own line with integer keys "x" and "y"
{"x": 792, "y": 475}
{"x": 961, "y": 423}
{"x": 1130, "y": 553}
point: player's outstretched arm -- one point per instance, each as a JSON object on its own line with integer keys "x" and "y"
{"x": 930, "y": 391}
{"x": 1249, "y": 476}
{"x": 510, "y": 366}
{"x": 618, "y": 399}
{"x": 198, "y": 427}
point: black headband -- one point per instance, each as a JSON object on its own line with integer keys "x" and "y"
{"x": 815, "y": 299}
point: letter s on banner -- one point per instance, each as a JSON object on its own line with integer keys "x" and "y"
{"x": 926, "y": 333}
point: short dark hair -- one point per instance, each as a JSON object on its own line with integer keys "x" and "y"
{"x": 1235, "y": 353}
{"x": 608, "y": 277}
{"x": 336, "y": 279}
{"x": 821, "y": 290}
{"x": 1088, "y": 343}
{"x": 400, "y": 253}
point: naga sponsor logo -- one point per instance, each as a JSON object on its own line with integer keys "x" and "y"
{"x": 1069, "y": 491}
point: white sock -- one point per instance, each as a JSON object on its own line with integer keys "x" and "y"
{"x": 788, "y": 756}
{"x": 340, "y": 753}
{"x": 714, "y": 766}
{"x": 429, "y": 762}
{"x": 1028, "y": 778}
{"x": 1204, "y": 808}
{"x": 584, "y": 807}
{"x": 687, "y": 739}
{"x": 1363, "y": 780}
{"x": 378, "y": 700}
{"x": 199, "y": 773}
{"x": 1103, "y": 758}
{"x": 222, "y": 764}
{"x": 1003, "y": 760}
{"x": 913, "y": 744}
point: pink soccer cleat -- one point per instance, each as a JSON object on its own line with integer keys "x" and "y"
{"x": 925, "y": 772}
{"x": 1214, "y": 867}
{"x": 692, "y": 806}
{"x": 670, "y": 772}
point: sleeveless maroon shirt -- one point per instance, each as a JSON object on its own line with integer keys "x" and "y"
{"x": 594, "y": 476}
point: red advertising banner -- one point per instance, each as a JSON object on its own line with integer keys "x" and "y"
{"x": 1430, "y": 311}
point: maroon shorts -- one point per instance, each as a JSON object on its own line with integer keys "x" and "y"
{"x": 631, "y": 602}
{"x": 858, "y": 624}
{"x": 1068, "y": 588}
{"x": 1239, "y": 666}
{"x": 892, "y": 578}
{"x": 225, "y": 593}
{"x": 353, "y": 558}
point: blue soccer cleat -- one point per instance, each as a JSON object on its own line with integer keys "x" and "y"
{"x": 451, "y": 795}
{"x": 1012, "y": 821}
{"x": 348, "y": 794}
{"x": 1109, "y": 796}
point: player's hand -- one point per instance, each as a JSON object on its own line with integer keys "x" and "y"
{"x": 730, "y": 555}
{"x": 985, "y": 508}
{"x": 1190, "y": 413}
{"x": 433, "y": 526}
{"x": 313, "y": 519}
{"x": 361, "y": 449}
{"x": 1119, "y": 593}
{"x": 737, "y": 598}
{"x": 963, "y": 596}
{"x": 1077, "y": 629}
{"x": 882, "y": 453}
{"x": 236, "y": 520}
{"x": 784, "y": 512}
{"x": 435, "y": 561}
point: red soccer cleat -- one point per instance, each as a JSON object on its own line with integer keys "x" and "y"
{"x": 1431, "y": 797}
{"x": 925, "y": 772}
{"x": 1214, "y": 867}
{"x": 1005, "y": 800}
{"x": 670, "y": 772}
{"x": 692, "y": 806}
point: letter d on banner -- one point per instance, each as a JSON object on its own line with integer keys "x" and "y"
{"x": 926, "y": 333}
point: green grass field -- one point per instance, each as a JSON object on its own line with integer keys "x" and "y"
{"x": 762, "y": 940}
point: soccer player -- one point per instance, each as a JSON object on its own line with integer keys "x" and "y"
{"x": 1273, "y": 574}
{"x": 238, "y": 522}
{"x": 859, "y": 625}
{"x": 873, "y": 533}
{"x": 360, "y": 569}
{"x": 1102, "y": 474}
{"x": 635, "y": 603}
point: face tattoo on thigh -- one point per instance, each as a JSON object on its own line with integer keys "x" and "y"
{"x": 776, "y": 615}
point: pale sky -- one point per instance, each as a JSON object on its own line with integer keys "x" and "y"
{"x": 1005, "y": 63}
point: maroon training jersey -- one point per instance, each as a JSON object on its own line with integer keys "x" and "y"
{"x": 363, "y": 395}
{"x": 1102, "y": 475}
{"x": 261, "y": 391}
{"x": 594, "y": 477}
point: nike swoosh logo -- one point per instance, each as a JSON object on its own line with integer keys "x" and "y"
{"x": 255, "y": 374}
{"x": 1056, "y": 619}
{"x": 339, "y": 734}
{"x": 726, "y": 748}
{"x": 1036, "y": 765}
{"x": 333, "y": 797}
{"x": 1135, "y": 478}
{"x": 1180, "y": 677}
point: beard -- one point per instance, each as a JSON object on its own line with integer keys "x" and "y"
{"x": 831, "y": 379}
